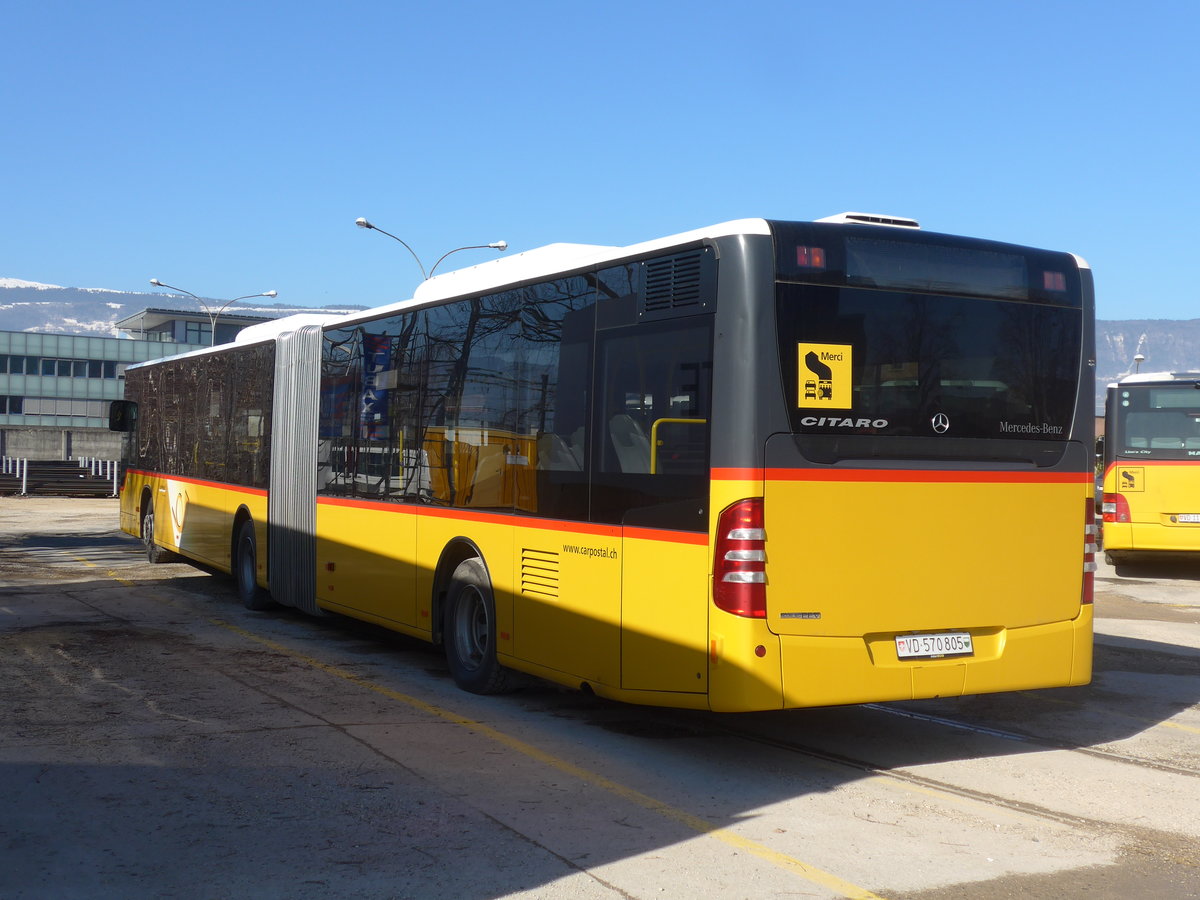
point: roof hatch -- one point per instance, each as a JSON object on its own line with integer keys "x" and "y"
{"x": 858, "y": 218}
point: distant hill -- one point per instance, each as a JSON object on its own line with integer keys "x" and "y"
{"x": 51, "y": 309}
{"x": 1167, "y": 344}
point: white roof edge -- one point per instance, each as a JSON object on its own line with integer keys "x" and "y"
{"x": 199, "y": 351}
{"x": 548, "y": 260}
{"x": 266, "y": 330}
{"x": 1080, "y": 261}
{"x": 1156, "y": 376}
{"x": 552, "y": 258}
{"x": 252, "y": 334}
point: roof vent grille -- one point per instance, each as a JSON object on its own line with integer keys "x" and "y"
{"x": 678, "y": 285}
{"x": 858, "y": 218}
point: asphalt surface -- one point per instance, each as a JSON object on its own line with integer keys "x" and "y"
{"x": 158, "y": 740}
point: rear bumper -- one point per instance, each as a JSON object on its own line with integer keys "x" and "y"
{"x": 825, "y": 671}
{"x": 1181, "y": 538}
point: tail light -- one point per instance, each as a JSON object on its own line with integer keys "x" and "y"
{"x": 740, "y": 564}
{"x": 1116, "y": 508}
{"x": 1088, "y": 592}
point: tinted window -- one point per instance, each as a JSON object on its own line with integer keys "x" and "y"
{"x": 1158, "y": 422}
{"x": 368, "y": 384}
{"x": 206, "y": 417}
{"x": 654, "y": 406}
{"x": 903, "y": 364}
{"x": 473, "y": 404}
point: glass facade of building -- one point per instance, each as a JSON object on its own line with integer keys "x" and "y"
{"x": 66, "y": 380}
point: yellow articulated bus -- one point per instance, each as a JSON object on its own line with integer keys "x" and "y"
{"x": 760, "y": 465}
{"x": 1152, "y": 467}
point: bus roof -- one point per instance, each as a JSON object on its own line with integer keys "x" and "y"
{"x": 1157, "y": 377}
{"x": 541, "y": 262}
{"x": 548, "y": 260}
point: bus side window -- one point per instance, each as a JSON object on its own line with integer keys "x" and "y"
{"x": 654, "y": 385}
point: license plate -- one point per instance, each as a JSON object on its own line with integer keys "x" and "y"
{"x": 1188, "y": 517}
{"x": 931, "y": 646}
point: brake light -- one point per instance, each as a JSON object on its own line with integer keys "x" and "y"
{"x": 810, "y": 257}
{"x": 740, "y": 564}
{"x": 1088, "y": 593}
{"x": 1116, "y": 508}
{"x": 1054, "y": 281}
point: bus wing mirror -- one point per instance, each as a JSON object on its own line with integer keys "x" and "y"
{"x": 122, "y": 415}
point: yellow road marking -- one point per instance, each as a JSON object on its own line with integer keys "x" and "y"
{"x": 695, "y": 823}
{"x": 110, "y": 573}
{"x": 1045, "y": 698}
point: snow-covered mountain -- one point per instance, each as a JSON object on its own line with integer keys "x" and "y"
{"x": 53, "y": 309}
{"x": 18, "y": 283}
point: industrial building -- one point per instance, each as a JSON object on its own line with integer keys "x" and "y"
{"x": 55, "y": 389}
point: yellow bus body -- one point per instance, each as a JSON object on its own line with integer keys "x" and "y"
{"x": 1158, "y": 493}
{"x": 851, "y": 569}
{"x": 194, "y": 518}
{"x": 563, "y": 610}
{"x": 627, "y": 612}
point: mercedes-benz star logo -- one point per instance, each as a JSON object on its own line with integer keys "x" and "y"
{"x": 940, "y": 423}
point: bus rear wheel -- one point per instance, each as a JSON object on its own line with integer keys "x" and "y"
{"x": 470, "y": 631}
{"x": 245, "y": 569}
{"x": 154, "y": 553}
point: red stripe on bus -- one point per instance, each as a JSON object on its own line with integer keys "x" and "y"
{"x": 1150, "y": 463}
{"x": 927, "y": 476}
{"x": 737, "y": 474}
{"x": 674, "y": 537}
{"x": 222, "y": 485}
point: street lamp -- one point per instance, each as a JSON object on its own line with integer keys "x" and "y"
{"x": 1137, "y": 363}
{"x": 495, "y": 245}
{"x": 213, "y": 316}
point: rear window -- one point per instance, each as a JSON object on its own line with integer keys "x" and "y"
{"x": 902, "y": 364}
{"x": 1159, "y": 422}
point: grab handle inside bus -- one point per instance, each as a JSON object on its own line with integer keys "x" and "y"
{"x": 655, "y": 443}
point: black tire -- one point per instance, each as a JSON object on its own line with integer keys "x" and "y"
{"x": 469, "y": 632}
{"x": 154, "y": 553}
{"x": 245, "y": 569}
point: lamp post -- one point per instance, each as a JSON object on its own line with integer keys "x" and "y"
{"x": 495, "y": 245}
{"x": 212, "y": 316}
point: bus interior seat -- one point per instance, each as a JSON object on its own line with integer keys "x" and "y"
{"x": 630, "y": 442}
{"x": 557, "y": 454}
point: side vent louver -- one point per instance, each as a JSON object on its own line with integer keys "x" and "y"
{"x": 539, "y": 573}
{"x": 679, "y": 285}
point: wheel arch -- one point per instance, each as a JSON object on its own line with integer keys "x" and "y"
{"x": 242, "y": 514}
{"x": 145, "y": 505}
{"x": 456, "y": 551}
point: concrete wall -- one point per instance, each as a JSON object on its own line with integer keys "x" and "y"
{"x": 59, "y": 443}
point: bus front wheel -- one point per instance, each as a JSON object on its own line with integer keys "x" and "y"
{"x": 245, "y": 569}
{"x": 470, "y": 631}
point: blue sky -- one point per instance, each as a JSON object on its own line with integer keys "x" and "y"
{"x": 227, "y": 148}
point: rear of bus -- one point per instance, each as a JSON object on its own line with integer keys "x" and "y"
{"x": 921, "y": 406}
{"x": 1152, "y": 467}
